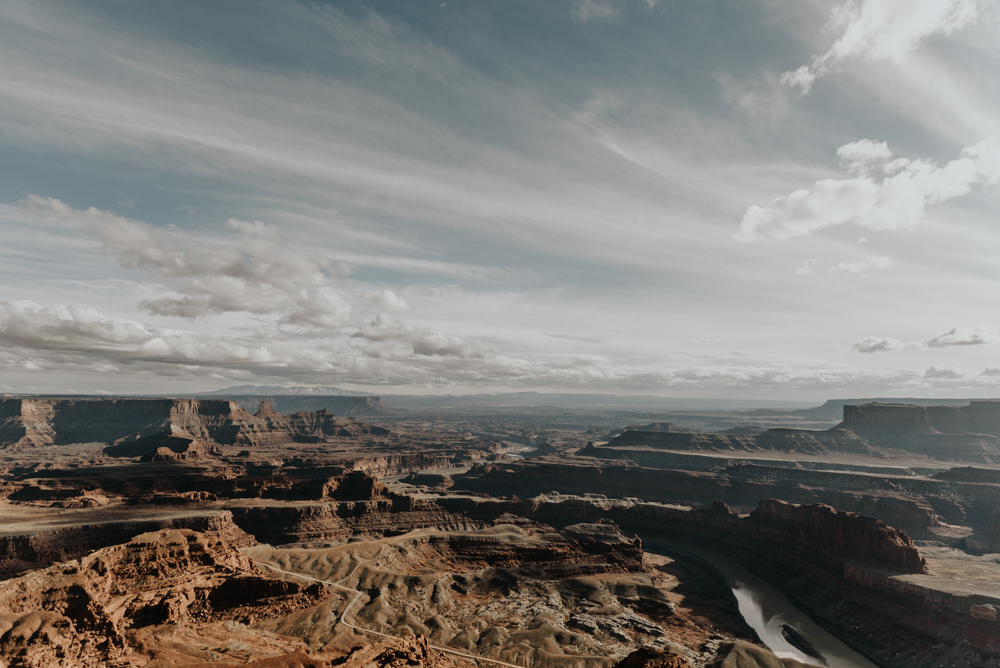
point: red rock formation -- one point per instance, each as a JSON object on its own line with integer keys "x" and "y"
{"x": 970, "y": 433}
{"x": 357, "y": 406}
{"x": 836, "y": 536}
{"x": 19, "y": 553}
{"x": 739, "y": 486}
{"x": 138, "y": 427}
{"x": 73, "y": 613}
{"x": 954, "y": 432}
{"x": 979, "y": 417}
{"x": 987, "y": 541}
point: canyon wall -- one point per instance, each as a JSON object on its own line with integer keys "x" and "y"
{"x": 136, "y": 427}
{"x": 739, "y": 486}
{"x": 20, "y": 553}
{"x": 844, "y": 568}
{"x": 963, "y": 433}
{"x": 847, "y": 570}
{"x": 339, "y": 405}
{"x": 893, "y": 420}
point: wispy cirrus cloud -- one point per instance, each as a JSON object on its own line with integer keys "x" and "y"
{"x": 883, "y": 30}
{"x": 492, "y": 173}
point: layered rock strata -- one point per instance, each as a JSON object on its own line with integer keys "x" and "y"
{"x": 739, "y": 486}
{"x": 849, "y": 571}
{"x": 962, "y": 433}
{"x": 20, "y": 553}
{"x": 137, "y": 427}
{"x": 84, "y": 612}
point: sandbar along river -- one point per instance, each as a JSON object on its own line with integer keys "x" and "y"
{"x": 767, "y": 611}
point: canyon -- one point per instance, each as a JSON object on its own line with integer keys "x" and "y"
{"x": 179, "y": 531}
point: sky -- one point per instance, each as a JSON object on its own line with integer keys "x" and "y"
{"x": 769, "y": 199}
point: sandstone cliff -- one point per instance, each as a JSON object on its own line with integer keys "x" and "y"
{"x": 741, "y": 486}
{"x": 288, "y": 403}
{"x": 835, "y": 536}
{"x": 138, "y": 427}
{"x": 19, "y": 553}
{"x": 966, "y": 433}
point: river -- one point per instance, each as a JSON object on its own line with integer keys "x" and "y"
{"x": 767, "y": 610}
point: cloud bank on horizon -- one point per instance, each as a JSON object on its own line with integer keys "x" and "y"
{"x": 613, "y": 196}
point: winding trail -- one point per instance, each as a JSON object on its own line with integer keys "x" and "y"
{"x": 357, "y": 595}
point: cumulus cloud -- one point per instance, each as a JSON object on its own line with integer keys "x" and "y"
{"x": 251, "y": 272}
{"x": 962, "y": 336}
{"x": 420, "y": 340}
{"x": 861, "y": 157}
{"x": 957, "y": 336}
{"x": 875, "y": 344}
{"x": 57, "y": 340}
{"x": 895, "y": 202}
{"x": 883, "y": 30}
{"x": 991, "y": 372}
{"x": 865, "y": 266}
{"x": 387, "y": 300}
{"x": 935, "y": 372}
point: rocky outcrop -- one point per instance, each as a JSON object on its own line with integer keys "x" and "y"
{"x": 76, "y": 612}
{"x": 970, "y": 433}
{"x": 835, "y": 536}
{"x": 140, "y": 427}
{"x": 340, "y": 405}
{"x": 988, "y": 540}
{"x": 20, "y": 553}
{"x": 895, "y": 420}
{"x": 268, "y": 427}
